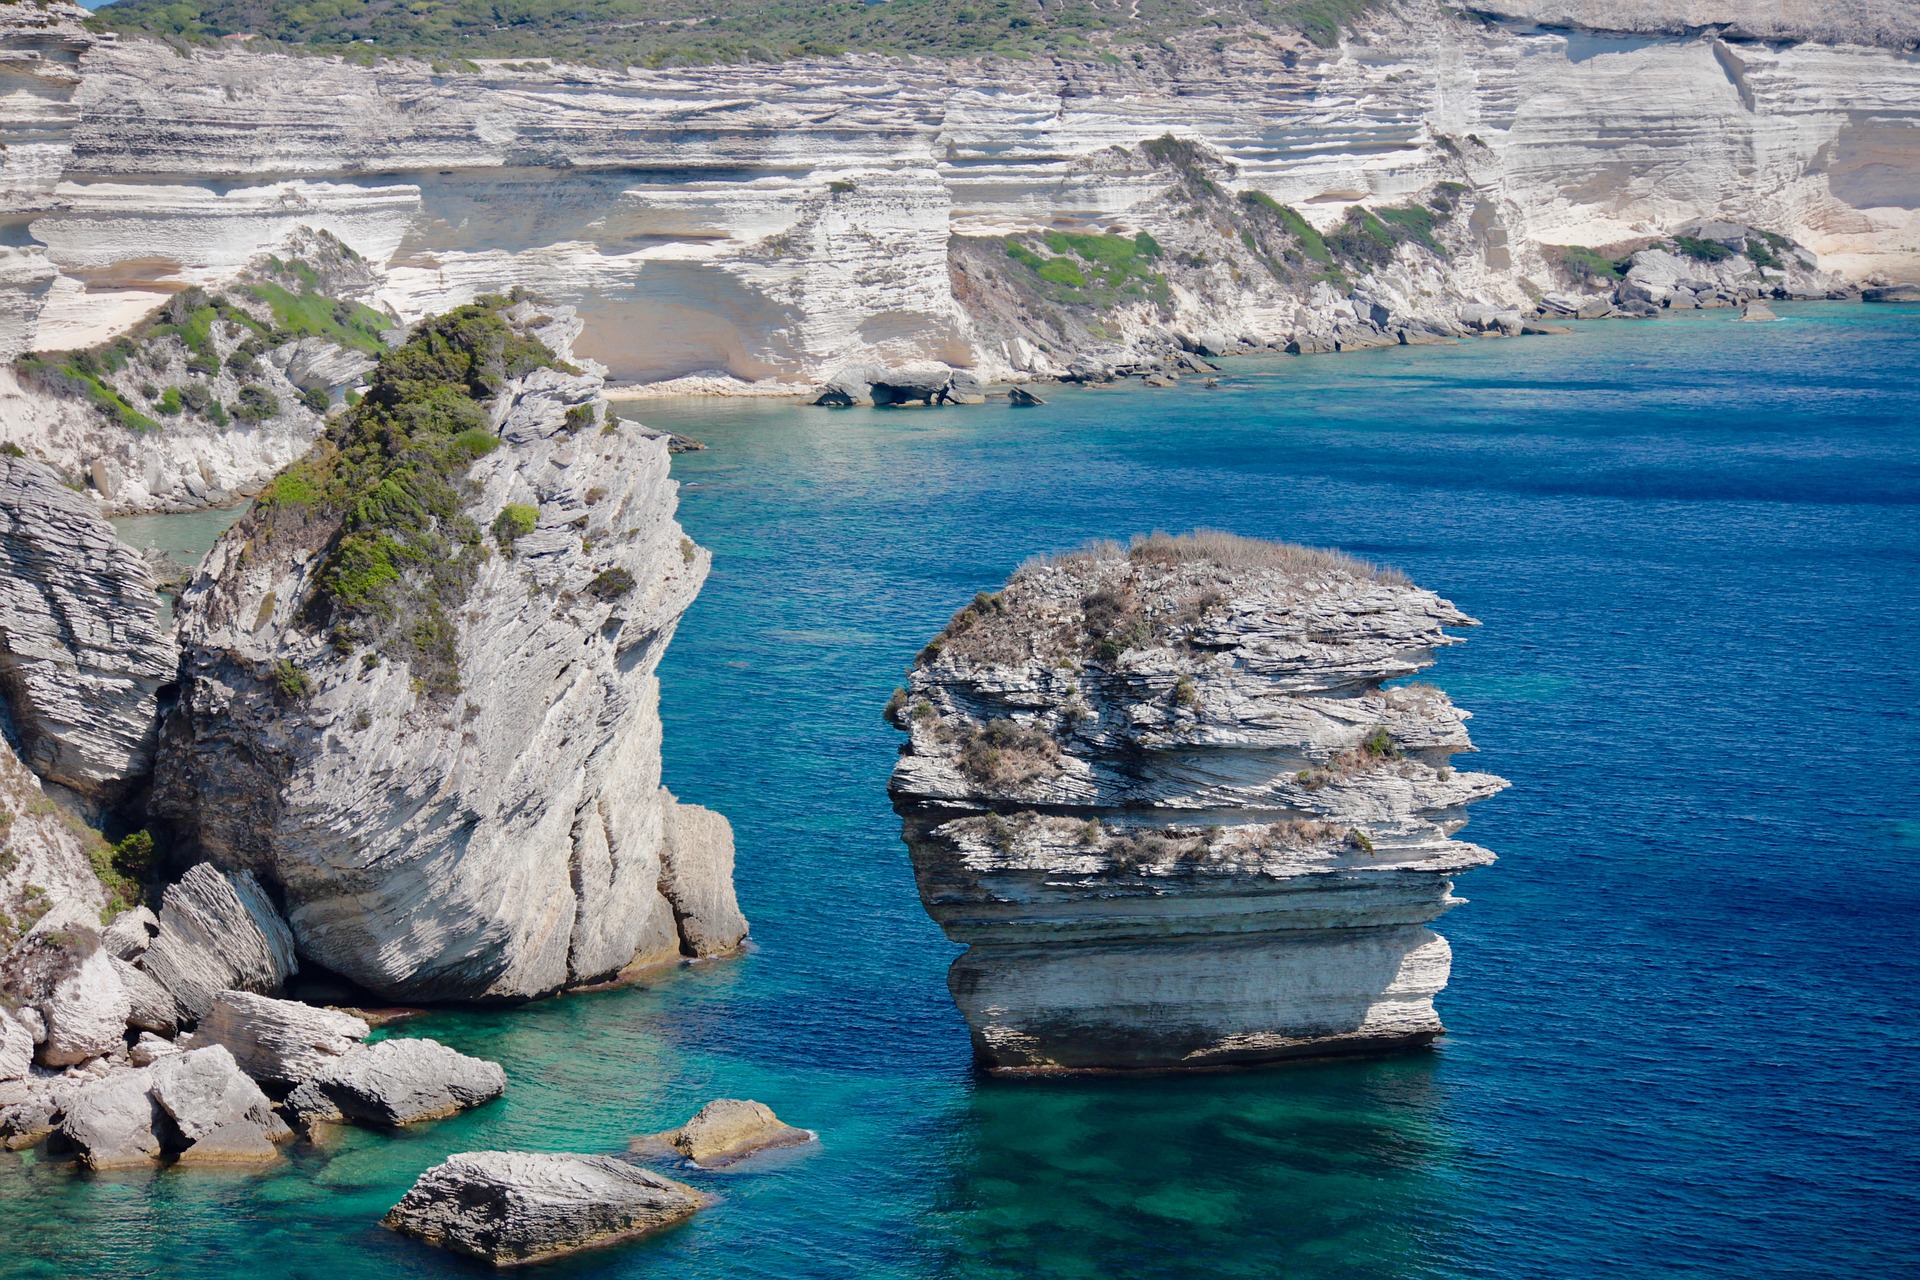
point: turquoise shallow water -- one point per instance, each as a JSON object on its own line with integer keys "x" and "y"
{"x": 1683, "y": 1013}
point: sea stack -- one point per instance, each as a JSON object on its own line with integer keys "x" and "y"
{"x": 1165, "y": 797}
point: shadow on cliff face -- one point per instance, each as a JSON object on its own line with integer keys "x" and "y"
{"x": 1316, "y": 1169}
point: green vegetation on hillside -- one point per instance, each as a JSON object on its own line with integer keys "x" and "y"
{"x": 693, "y": 32}
{"x": 392, "y": 474}
{"x": 1098, "y": 271}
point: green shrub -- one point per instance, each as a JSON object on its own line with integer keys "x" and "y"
{"x": 1061, "y": 271}
{"x": 611, "y": 584}
{"x": 515, "y": 521}
{"x": 12, "y": 450}
{"x": 316, "y": 399}
{"x": 291, "y": 680}
{"x": 1584, "y": 264}
{"x": 1702, "y": 250}
{"x": 255, "y": 404}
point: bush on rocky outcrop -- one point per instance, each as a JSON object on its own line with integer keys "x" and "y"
{"x": 386, "y": 482}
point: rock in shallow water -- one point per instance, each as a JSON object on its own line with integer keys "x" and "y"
{"x": 1165, "y": 799}
{"x": 220, "y": 1115}
{"x": 398, "y": 1082}
{"x": 110, "y": 1122}
{"x": 280, "y": 1041}
{"x": 726, "y": 1131}
{"x": 509, "y": 1207}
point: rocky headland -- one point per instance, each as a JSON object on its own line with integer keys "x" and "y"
{"x": 1168, "y": 800}
{"x": 400, "y": 738}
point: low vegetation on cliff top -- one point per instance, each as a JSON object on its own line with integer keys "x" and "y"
{"x": 657, "y": 33}
{"x": 386, "y": 486}
{"x": 1157, "y": 590}
{"x": 205, "y": 355}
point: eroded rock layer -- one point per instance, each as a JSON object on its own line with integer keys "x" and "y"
{"x": 418, "y": 694}
{"x": 1166, "y": 798}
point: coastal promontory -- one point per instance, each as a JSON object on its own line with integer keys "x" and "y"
{"x": 1169, "y": 800}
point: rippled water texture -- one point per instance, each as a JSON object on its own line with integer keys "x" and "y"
{"x": 1683, "y": 1007}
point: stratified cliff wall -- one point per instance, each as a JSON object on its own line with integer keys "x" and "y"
{"x": 426, "y": 712}
{"x": 1164, "y": 797}
{"x": 779, "y": 221}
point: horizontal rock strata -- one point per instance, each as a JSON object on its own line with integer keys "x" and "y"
{"x": 1168, "y": 802}
{"x": 511, "y": 1207}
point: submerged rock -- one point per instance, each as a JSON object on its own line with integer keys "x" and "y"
{"x": 509, "y": 1207}
{"x": 448, "y": 765}
{"x": 280, "y": 1041}
{"x": 82, "y": 654}
{"x": 726, "y": 1131}
{"x": 881, "y": 386}
{"x": 1757, "y": 311}
{"x": 398, "y": 1082}
{"x": 1020, "y": 397}
{"x": 1165, "y": 799}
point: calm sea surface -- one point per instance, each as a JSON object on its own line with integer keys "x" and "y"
{"x": 1685, "y": 1030}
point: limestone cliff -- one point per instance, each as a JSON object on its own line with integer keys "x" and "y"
{"x": 82, "y": 656}
{"x": 418, "y": 695}
{"x": 775, "y": 223}
{"x": 1166, "y": 798}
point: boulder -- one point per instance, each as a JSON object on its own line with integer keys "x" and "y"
{"x": 1891, "y": 293}
{"x": 849, "y": 388}
{"x": 86, "y": 1014}
{"x": 150, "y": 1007}
{"x": 1535, "y": 328}
{"x": 1020, "y": 397}
{"x": 509, "y": 1207}
{"x": 30, "y": 1110}
{"x": 130, "y": 934}
{"x": 922, "y": 385}
{"x": 150, "y": 1048}
{"x": 16, "y": 1047}
{"x": 696, "y": 877}
{"x": 82, "y": 654}
{"x": 726, "y": 1131}
{"x": 400, "y": 1082}
{"x": 1160, "y": 380}
{"x": 220, "y": 1114}
{"x": 964, "y": 388}
{"x": 1757, "y": 311}
{"x": 280, "y": 1041}
{"x": 218, "y": 931}
{"x": 110, "y": 1122}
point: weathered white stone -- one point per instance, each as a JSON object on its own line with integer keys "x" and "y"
{"x": 86, "y": 1014}
{"x": 696, "y": 875}
{"x": 509, "y": 842}
{"x": 219, "y": 1113}
{"x": 280, "y": 1041}
{"x": 727, "y": 1131}
{"x": 401, "y": 1082}
{"x": 16, "y": 1047}
{"x": 218, "y": 931}
{"x": 511, "y": 1206}
{"x": 150, "y": 1006}
{"x": 82, "y": 656}
{"x": 110, "y": 1121}
{"x": 130, "y": 934}
{"x": 1165, "y": 799}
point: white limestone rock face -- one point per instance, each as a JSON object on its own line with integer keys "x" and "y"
{"x": 696, "y": 875}
{"x": 509, "y": 1207}
{"x": 218, "y": 1113}
{"x": 218, "y": 931}
{"x": 82, "y": 655}
{"x": 1165, "y": 799}
{"x": 280, "y": 1041}
{"x": 110, "y": 1122}
{"x": 502, "y": 841}
{"x": 801, "y": 217}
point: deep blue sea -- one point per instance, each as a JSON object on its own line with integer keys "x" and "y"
{"x": 1685, "y": 1028}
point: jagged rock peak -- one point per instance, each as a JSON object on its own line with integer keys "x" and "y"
{"x": 1164, "y": 794}
{"x": 82, "y": 655}
{"x": 417, "y": 692}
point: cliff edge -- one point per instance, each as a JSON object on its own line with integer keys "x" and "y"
{"x": 417, "y": 689}
{"x": 1166, "y": 798}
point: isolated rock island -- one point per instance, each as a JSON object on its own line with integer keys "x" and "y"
{"x": 1165, "y": 796}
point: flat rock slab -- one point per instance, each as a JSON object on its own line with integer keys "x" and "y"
{"x": 510, "y": 1207}
{"x": 724, "y": 1132}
